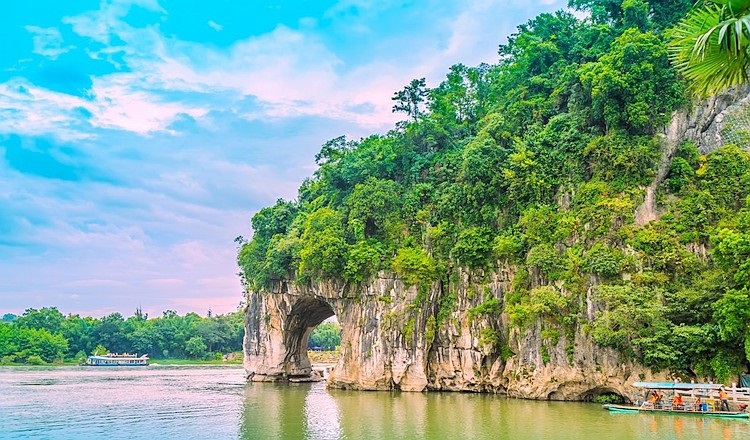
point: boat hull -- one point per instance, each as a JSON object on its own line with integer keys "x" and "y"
{"x": 716, "y": 414}
{"x": 113, "y": 365}
{"x": 117, "y": 360}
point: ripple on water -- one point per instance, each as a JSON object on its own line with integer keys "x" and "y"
{"x": 210, "y": 403}
{"x": 71, "y": 403}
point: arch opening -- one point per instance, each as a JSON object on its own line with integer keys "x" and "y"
{"x": 603, "y": 395}
{"x": 305, "y": 315}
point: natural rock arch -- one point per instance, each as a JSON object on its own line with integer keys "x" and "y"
{"x": 306, "y": 314}
{"x": 277, "y": 327}
{"x": 398, "y": 337}
{"x": 375, "y": 352}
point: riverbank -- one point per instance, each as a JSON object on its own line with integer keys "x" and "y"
{"x": 237, "y": 360}
{"x": 323, "y": 357}
{"x": 195, "y": 362}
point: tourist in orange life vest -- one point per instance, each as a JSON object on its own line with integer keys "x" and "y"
{"x": 677, "y": 402}
{"x": 724, "y": 399}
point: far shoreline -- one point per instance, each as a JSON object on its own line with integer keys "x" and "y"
{"x": 157, "y": 363}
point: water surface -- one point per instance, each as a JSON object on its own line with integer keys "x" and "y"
{"x": 217, "y": 403}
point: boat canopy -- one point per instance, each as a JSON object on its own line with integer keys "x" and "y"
{"x": 677, "y": 386}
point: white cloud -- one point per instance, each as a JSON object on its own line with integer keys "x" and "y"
{"x": 28, "y": 109}
{"x": 48, "y": 42}
{"x": 215, "y": 26}
{"x": 104, "y": 23}
{"x": 166, "y": 282}
{"x": 290, "y": 72}
{"x": 121, "y": 104}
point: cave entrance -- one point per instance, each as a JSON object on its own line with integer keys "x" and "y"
{"x": 603, "y": 395}
{"x": 306, "y": 315}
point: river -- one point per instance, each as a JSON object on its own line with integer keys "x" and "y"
{"x": 216, "y": 403}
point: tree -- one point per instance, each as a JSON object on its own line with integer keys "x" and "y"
{"x": 374, "y": 203}
{"x": 110, "y": 332}
{"x": 195, "y": 347}
{"x": 462, "y": 97}
{"x": 711, "y": 46}
{"x": 333, "y": 150}
{"x": 662, "y": 13}
{"x": 48, "y": 318}
{"x": 8, "y": 317}
{"x": 632, "y": 87}
{"x": 324, "y": 251}
{"x": 144, "y": 339}
{"x": 79, "y": 333}
{"x": 410, "y": 99}
{"x": 50, "y": 347}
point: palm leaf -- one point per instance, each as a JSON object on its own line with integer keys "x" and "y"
{"x": 711, "y": 46}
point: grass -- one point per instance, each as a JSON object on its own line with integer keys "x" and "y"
{"x": 323, "y": 357}
{"x": 194, "y": 362}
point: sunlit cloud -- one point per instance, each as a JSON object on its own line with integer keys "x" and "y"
{"x": 28, "y": 109}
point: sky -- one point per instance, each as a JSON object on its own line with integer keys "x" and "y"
{"x": 139, "y": 137}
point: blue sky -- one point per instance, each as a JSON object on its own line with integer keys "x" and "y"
{"x": 138, "y": 137}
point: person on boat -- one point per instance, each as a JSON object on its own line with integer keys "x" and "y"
{"x": 724, "y": 399}
{"x": 677, "y": 402}
{"x": 653, "y": 398}
{"x": 659, "y": 401}
{"x": 698, "y": 403}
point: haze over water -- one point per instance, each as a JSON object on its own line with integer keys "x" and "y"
{"x": 217, "y": 403}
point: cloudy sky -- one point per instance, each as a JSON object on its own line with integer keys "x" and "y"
{"x": 138, "y": 137}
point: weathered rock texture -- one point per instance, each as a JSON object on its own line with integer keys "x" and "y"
{"x": 703, "y": 124}
{"x": 443, "y": 337}
{"x": 392, "y": 339}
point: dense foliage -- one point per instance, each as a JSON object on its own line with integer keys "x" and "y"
{"x": 46, "y": 335}
{"x": 540, "y": 162}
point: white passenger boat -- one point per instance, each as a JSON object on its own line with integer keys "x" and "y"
{"x": 118, "y": 360}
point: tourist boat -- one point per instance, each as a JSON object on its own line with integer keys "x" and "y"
{"x": 117, "y": 360}
{"x": 699, "y": 399}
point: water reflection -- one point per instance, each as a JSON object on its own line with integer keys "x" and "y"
{"x": 322, "y": 417}
{"x": 70, "y": 403}
{"x": 310, "y": 411}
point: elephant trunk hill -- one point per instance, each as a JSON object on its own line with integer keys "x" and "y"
{"x": 556, "y": 226}
{"x": 457, "y": 334}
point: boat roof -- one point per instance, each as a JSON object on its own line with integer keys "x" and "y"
{"x": 677, "y": 386}
{"x": 107, "y": 356}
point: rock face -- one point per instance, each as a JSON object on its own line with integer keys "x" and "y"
{"x": 396, "y": 338}
{"x": 705, "y": 124}
{"x": 453, "y": 336}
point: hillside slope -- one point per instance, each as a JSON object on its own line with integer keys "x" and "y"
{"x": 566, "y": 216}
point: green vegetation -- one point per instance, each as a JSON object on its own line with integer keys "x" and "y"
{"x": 47, "y": 336}
{"x": 711, "y": 45}
{"x": 326, "y": 336}
{"x": 540, "y": 161}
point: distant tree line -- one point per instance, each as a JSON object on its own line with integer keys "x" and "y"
{"x": 326, "y": 336}
{"x": 46, "y": 335}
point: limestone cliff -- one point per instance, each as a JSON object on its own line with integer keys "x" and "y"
{"x": 390, "y": 341}
{"x": 456, "y": 335}
{"x": 703, "y": 124}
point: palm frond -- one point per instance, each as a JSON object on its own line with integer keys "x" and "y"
{"x": 711, "y": 46}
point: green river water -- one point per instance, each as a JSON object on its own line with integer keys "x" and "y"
{"x": 216, "y": 403}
